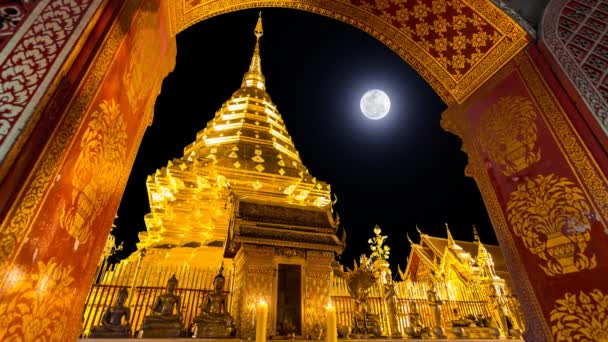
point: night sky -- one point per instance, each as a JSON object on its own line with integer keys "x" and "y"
{"x": 396, "y": 172}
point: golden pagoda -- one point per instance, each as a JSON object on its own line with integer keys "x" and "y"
{"x": 240, "y": 196}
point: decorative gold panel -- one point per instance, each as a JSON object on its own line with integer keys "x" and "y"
{"x": 95, "y": 172}
{"x": 581, "y": 318}
{"x": 508, "y": 134}
{"x": 551, "y": 216}
{"x": 27, "y": 318}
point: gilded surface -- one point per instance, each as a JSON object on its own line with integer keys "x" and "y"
{"x": 508, "y": 133}
{"x": 95, "y": 173}
{"x": 454, "y": 120}
{"x": 551, "y": 216}
{"x": 581, "y": 318}
{"x": 35, "y": 307}
{"x": 317, "y": 289}
{"x": 18, "y": 222}
{"x": 455, "y": 45}
{"x": 591, "y": 177}
{"x": 137, "y": 77}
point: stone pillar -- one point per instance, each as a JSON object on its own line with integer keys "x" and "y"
{"x": 542, "y": 176}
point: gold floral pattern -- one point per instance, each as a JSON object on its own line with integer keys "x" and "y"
{"x": 95, "y": 173}
{"x": 551, "y": 216}
{"x": 508, "y": 134}
{"x": 34, "y": 309}
{"x": 581, "y": 318}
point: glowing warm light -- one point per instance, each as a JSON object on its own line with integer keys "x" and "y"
{"x": 261, "y": 314}
{"x": 332, "y": 326}
{"x": 375, "y": 104}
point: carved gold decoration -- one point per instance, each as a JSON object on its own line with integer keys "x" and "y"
{"x": 591, "y": 176}
{"x": 455, "y": 45}
{"x": 508, "y": 133}
{"x": 35, "y": 308}
{"x": 551, "y": 215}
{"x": 95, "y": 172}
{"x": 316, "y": 292}
{"x": 581, "y": 318}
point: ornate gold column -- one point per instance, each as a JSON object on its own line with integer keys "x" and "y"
{"x": 254, "y": 278}
{"x": 317, "y": 284}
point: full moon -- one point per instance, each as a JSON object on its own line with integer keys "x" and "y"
{"x": 375, "y": 104}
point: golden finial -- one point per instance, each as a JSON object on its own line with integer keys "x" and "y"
{"x": 450, "y": 238}
{"x": 259, "y": 31}
{"x": 407, "y": 234}
{"x": 254, "y": 77}
{"x": 419, "y": 231}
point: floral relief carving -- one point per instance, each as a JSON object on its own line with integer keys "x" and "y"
{"x": 551, "y": 216}
{"x": 35, "y": 308}
{"x": 95, "y": 172}
{"x": 508, "y": 134}
{"x": 580, "y": 318}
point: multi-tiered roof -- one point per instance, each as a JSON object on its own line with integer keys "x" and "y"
{"x": 243, "y": 165}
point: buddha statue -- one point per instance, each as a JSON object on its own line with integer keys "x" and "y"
{"x": 165, "y": 319}
{"x": 112, "y": 325}
{"x": 214, "y": 319}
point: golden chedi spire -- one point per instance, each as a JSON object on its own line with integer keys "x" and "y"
{"x": 254, "y": 76}
{"x": 244, "y": 151}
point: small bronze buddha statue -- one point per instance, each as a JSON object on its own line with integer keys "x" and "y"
{"x": 214, "y": 319}
{"x": 165, "y": 319}
{"x": 112, "y": 325}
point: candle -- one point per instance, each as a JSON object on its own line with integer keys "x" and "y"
{"x": 261, "y": 313}
{"x": 332, "y": 329}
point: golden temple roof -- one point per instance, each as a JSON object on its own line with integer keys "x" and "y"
{"x": 244, "y": 152}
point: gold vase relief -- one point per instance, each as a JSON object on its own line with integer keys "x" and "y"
{"x": 580, "y": 318}
{"x": 552, "y": 217}
{"x": 97, "y": 170}
{"x": 508, "y": 133}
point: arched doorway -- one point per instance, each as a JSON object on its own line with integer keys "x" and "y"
{"x": 59, "y": 204}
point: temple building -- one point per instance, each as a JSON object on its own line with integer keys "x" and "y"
{"x": 240, "y": 202}
{"x": 240, "y": 196}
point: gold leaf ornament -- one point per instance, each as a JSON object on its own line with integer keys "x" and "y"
{"x": 580, "y": 318}
{"x": 551, "y": 216}
{"x": 508, "y": 134}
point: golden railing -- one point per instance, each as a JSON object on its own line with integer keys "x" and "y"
{"x": 458, "y": 301}
{"x": 144, "y": 286}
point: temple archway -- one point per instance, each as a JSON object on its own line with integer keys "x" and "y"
{"x": 77, "y": 108}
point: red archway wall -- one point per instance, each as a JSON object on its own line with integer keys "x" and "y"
{"x": 65, "y": 174}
